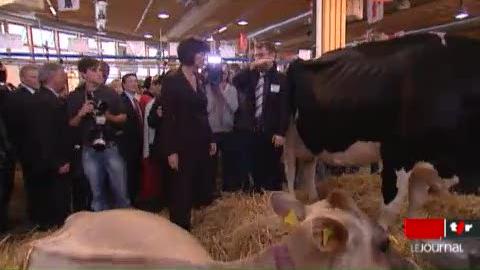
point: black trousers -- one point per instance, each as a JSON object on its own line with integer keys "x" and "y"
{"x": 49, "y": 197}
{"x": 7, "y": 178}
{"x": 192, "y": 185}
{"x": 134, "y": 167}
{"x": 81, "y": 194}
{"x": 268, "y": 170}
{"x": 227, "y": 158}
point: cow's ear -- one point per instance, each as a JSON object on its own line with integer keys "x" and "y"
{"x": 329, "y": 234}
{"x": 341, "y": 200}
{"x": 286, "y": 205}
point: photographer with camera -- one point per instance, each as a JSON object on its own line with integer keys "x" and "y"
{"x": 98, "y": 113}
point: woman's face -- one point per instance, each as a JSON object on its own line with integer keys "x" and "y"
{"x": 199, "y": 60}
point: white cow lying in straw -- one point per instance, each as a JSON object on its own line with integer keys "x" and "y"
{"x": 358, "y": 154}
{"x": 329, "y": 234}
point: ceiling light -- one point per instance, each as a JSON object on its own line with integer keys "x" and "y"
{"x": 210, "y": 39}
{"x": 278, "y": 43}
{"x": 214, "y": 59}
{"x": 242, "y": 22}
{"x": 163, "y": 15}
{"x": 147, "y": 35}
{"x": 462, "y": 12}
{"x": 223, "y": 29}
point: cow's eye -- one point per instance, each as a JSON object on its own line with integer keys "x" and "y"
{"x": 384, "y": 245}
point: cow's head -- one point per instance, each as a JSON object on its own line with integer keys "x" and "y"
{"x": 334, "y": 233}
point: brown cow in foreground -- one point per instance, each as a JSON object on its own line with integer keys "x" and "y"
{"x": 329, "y": 234}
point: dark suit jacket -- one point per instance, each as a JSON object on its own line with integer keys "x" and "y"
{"x": 155, "y": 122}
{"x": 185, "y": 126}
{"x": 132, "y": 137}
{"x": 51, "y": 142}
{"x": 276, "y": 109}
{"x": 17, "y": 111}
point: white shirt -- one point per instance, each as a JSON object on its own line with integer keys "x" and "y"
{"x": 132, "y": 99}
{"x": 148, "y": 132}
{"x": 55, "y": 93}
{"x": 28, "y": 88}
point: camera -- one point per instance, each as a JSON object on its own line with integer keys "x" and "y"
{"x": 100, "y": 107}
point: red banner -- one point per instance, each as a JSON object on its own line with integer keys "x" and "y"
{"x": 416, "y": 229}
{"x": 242, "y": 43}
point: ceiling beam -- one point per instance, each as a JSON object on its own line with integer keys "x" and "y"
{"x": 194, "y": 17}
{"x": 280, "y": 24}
{"x": 143, "y": 15}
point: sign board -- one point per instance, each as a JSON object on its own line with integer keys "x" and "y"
{"x": 11, "y": 41}
{"x": 30, "y": 4}
{"x": 136, "y": 48}
{"x": 374, "y": 11}
{"x": 354, "y": 10}
{"x": 172, "y": 49}
{"x": 68, "y": 5}
{"x": 305, "y": 54}
{"x": 227, "y": 51}
{"x": 79, "y": 45}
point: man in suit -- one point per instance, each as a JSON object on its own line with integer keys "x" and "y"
{"x": 52, "y": 148}
{"x": 132, "y": 138}
{"x": 16, "y": 110}
{"x": 263, "y": 117}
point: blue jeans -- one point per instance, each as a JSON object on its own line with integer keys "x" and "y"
{"x": 102, "y": 166}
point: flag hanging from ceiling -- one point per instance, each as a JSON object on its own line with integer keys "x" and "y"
{"x": 242, "y": 43}
{"x": 374, "y": 10}
{"x": 68, "y": 5}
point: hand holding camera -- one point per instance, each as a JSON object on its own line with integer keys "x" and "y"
{"x": 98, "y": 109}
{"x": 86, "y": 108}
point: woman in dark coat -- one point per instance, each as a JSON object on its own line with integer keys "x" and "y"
{"x": 188, "y": 139}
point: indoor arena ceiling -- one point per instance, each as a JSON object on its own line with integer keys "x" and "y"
{"x": 204, "y": 17}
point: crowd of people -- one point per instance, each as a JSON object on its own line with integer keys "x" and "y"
{"x": 164, "y": 143}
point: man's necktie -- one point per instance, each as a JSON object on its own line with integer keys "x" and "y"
{"x": 259, "y": 98}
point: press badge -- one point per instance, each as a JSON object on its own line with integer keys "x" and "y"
{"x": 275, "y": 88}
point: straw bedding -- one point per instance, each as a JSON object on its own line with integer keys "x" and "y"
{"x": 239, "y": 225}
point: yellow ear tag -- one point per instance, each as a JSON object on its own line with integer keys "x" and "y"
{"x": 291, "y": 218}
{"x": 327, "y": 232}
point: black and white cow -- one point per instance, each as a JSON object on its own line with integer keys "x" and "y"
{"x": 418, "y": 96}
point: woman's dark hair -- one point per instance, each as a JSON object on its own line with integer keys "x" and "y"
{"x": 3, "y": 76}
{"x": 147, "y": 83}
{"x": 188, "y": 48}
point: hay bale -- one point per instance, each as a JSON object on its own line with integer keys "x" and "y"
{"x": 14, "y": 249}
{"x": 238, "y": 225}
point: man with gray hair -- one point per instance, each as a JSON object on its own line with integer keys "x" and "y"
{"x": 52, "y": 147}
{"x": 16, "y": 112}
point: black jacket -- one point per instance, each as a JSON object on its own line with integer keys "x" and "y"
{"x": 155, "y": 122}
{"x": 51, "y": 144}
{"x": 185, "y": 126}
{"x": 17, "y": 111}
{"x": 132, "y": 137}
{"x": 6, "y": 148}
{"x": 276, "y": 109}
